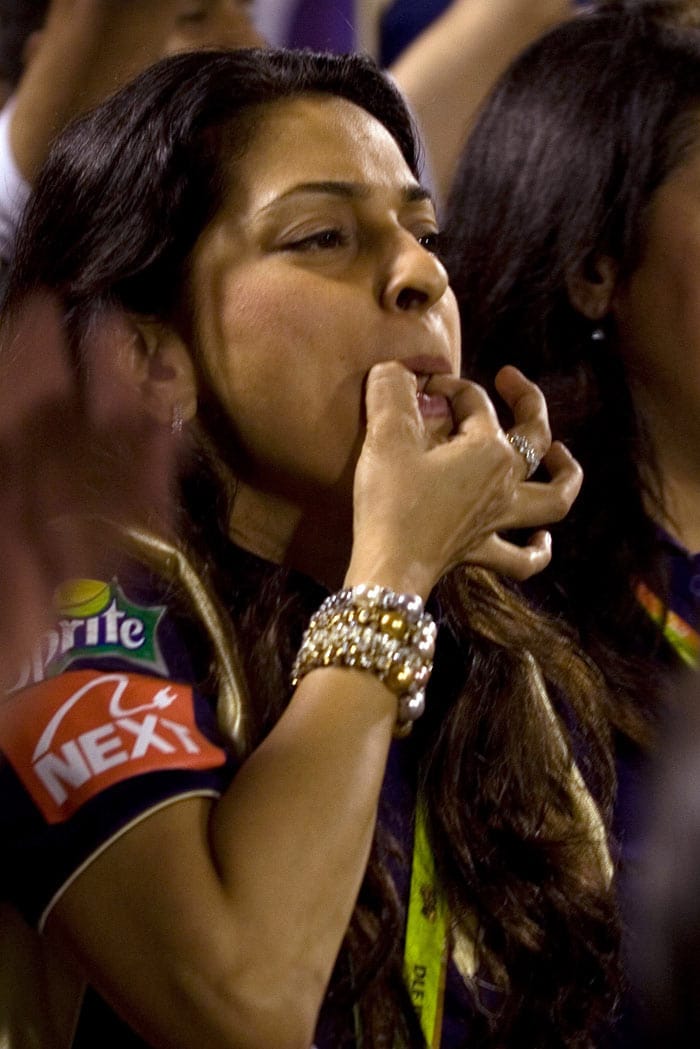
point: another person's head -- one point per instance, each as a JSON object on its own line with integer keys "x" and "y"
{"x": 573, "y": 240}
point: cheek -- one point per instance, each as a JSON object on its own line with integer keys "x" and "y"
{"x": 453, "y": 329}
{"x": 270, "y": 313}
{"x": 287, "y": 375}
{"x": 246, "y": 344}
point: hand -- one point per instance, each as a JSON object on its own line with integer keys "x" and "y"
{"x": 424, "y": 503}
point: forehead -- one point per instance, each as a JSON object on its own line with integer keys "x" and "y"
{"x": 318, "y": 138}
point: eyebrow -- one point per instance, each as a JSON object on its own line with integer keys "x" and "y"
{"x": 411, "y": 193}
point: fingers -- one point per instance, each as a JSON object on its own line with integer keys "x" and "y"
{"x": 530, "y": 417}
{"x": 468, "y": 489}
{"x": 544, "y": 502}
{"x": 524, "y": 398}
{"x": 516, "y": 562}
{"x": 467, "y": 399}
{"x": 563, "y": 468}
{"x": 391, "y": 403}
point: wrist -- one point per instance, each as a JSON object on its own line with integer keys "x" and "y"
{"x": 375, "y": 629}
{"x": 408, "y": 577}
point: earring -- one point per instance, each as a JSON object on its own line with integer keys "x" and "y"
{"x": 598, "y": 335}
{"x": 177, "y": 421}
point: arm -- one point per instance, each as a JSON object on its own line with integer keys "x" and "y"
{"x": 449, "y": 69}
{"x": 88, "y": 48}
{"x": 219, "y": 923}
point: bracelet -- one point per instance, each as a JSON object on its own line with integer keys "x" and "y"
{"x": 371, "y": 627}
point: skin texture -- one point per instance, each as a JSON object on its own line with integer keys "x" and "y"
{"x": 230, "y": 950}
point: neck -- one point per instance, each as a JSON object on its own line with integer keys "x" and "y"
{"x": 675, "y": 436}
{"x": 314, "y": 539}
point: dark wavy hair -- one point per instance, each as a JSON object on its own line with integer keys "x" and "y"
{"x": 117, "y": 210}
{"x": 560, "y": 169}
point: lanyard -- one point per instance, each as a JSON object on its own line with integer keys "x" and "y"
{"x": 677, "y": 632}
{"x": 425, "y": 954}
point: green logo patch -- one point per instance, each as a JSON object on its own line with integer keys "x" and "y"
{"x": 96, "y": 620}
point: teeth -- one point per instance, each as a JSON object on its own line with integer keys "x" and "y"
{"x": 423, "y": 381}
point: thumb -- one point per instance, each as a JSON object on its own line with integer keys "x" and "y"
{"x": 392, "y": 405}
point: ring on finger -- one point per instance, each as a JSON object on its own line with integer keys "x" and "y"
{"x": 527, "y": 450}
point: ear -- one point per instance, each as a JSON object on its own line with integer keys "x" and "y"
{"x": 162, "y": 369}
{"x": 592, "y": 287}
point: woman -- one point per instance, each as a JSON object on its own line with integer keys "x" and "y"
{"x": 574, "y": 248}
{"x": 249, "y": 230}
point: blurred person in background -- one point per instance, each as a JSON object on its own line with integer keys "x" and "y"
{"x": 573, "y": 249}
{"x": 61, "y": 57}
{"x": 443, "y": 54}
{"x": 663, "y": 942}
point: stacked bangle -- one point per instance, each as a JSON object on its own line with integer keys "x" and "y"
{"x": 373, "y": 628}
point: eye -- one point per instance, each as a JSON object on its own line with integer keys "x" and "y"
{"x": 324, "y": 240}
{"x": 432, "y": 241}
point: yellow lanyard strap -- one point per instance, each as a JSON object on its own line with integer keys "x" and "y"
{"x": 425, "y": 955}
{"x": 426, "y": 951}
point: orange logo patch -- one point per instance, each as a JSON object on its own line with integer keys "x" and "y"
{"x": 72, "y": 736}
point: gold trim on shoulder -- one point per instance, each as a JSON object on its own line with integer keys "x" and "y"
{"x": 172, "y": 564}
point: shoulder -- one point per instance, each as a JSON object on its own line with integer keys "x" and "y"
{"x": 110, "y": 718}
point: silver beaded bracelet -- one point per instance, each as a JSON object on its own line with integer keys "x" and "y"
{"x": 373, "y": 628}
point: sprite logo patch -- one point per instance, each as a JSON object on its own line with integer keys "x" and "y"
{"x": 95, "y": 619}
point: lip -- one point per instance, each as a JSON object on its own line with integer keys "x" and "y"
{"x": 424, "y": 366}
{"x": 427, "y": 365}
{"x": 432, "y": 406}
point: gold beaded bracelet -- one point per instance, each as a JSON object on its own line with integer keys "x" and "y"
{"x": 370, "y": 627}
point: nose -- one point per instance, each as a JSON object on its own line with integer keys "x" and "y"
{"x": 415, "y": 279}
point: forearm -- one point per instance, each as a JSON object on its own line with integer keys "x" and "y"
{"x": 87, "y": 50}
{"x": 306, "y": 802}
{"x": 449, "y": 69}
{"x": 220, "y": 924}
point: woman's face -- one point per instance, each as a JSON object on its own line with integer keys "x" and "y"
{"x": 657, "y": 310}
{"x": 317, "y": 267}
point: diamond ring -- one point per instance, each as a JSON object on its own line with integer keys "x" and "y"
{"x": 527, "y": 450}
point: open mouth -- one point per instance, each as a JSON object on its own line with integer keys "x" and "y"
{"x": 431, "y": 404}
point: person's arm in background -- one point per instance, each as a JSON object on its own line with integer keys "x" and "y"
{"x": 86, "y": 50}
{"x": 446, "y": 72}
